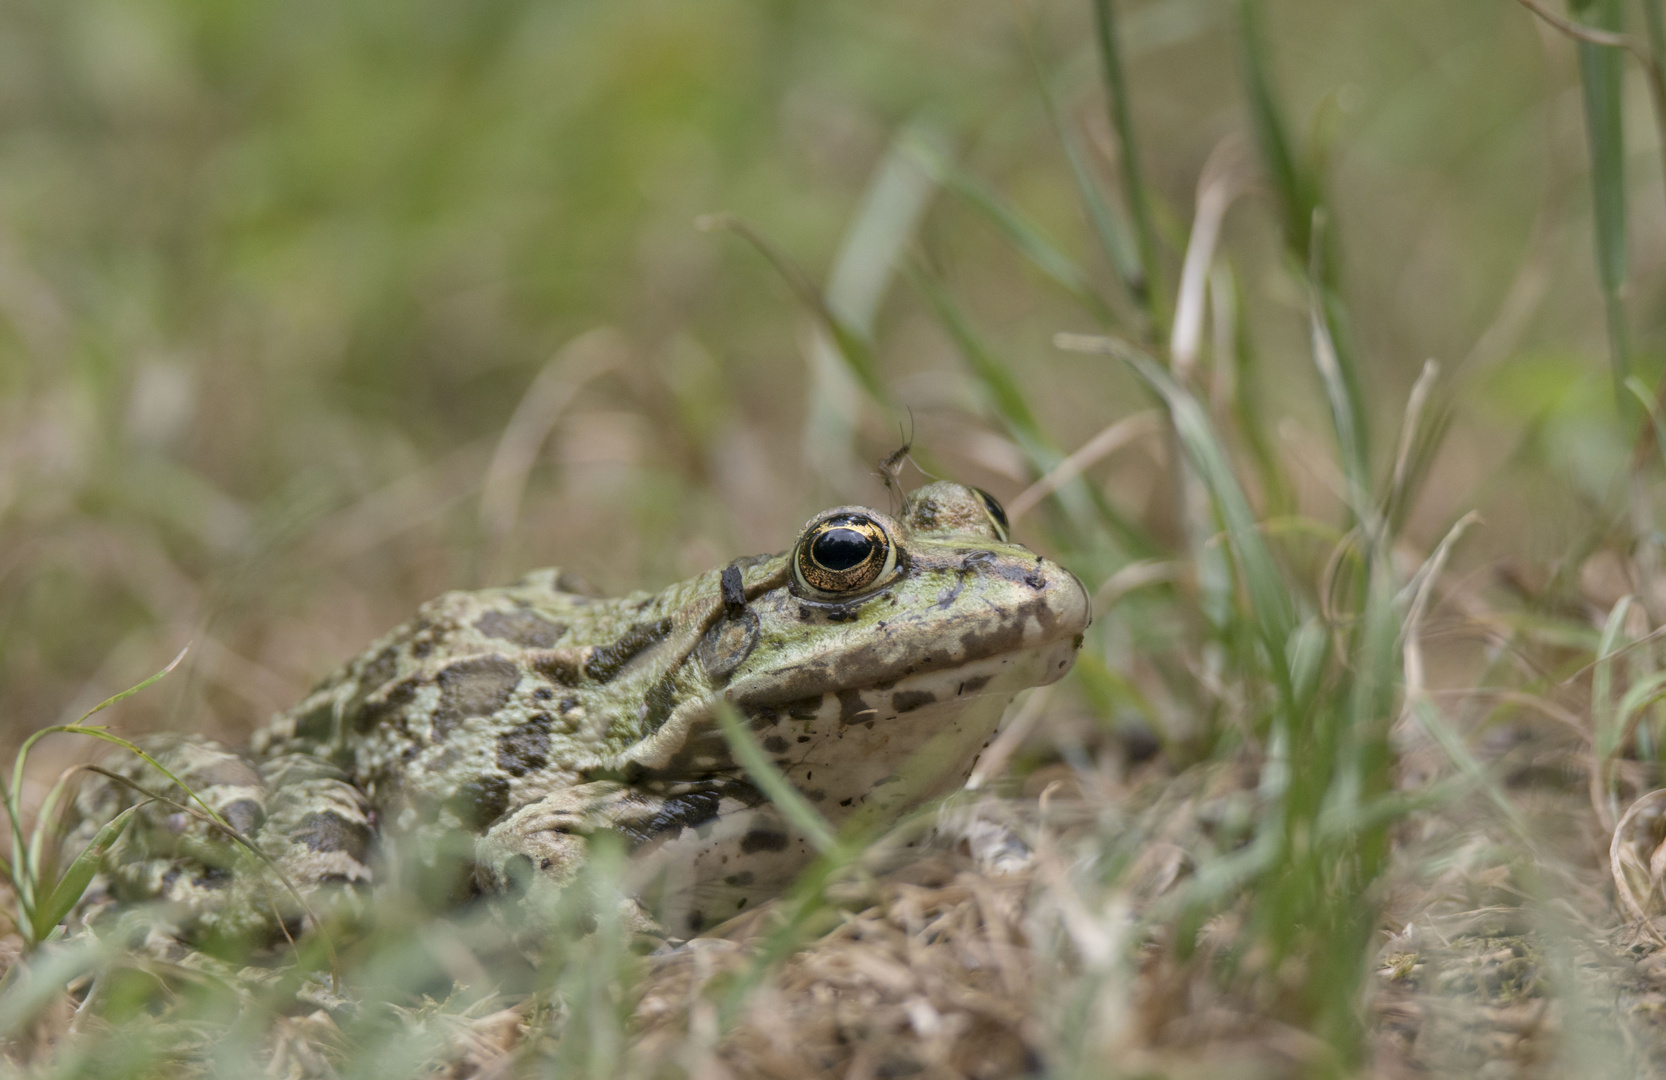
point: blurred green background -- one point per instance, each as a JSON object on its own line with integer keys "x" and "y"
{"x": 275, "y": 279}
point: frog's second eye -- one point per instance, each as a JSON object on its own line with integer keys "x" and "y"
{"x": 997, "y": 515}
{"x": 844, "y": 554}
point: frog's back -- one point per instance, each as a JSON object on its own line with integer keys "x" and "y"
{"x": 477, "y": 694}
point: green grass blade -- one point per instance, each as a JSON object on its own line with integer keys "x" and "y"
{"x": 1423, "y": 429}
{"x": 1133, "y": 180}
{"x": 1114, "y": 237}
{"x": 1269, "y": 598}
{"x": 1602, "y": 92}
{"x": 64, "y": 895}
{"x": 852, "y": 344}
{"x": 1112, "y": 232}
{"x": 114, "y": 699}
{"x": 1345, "y": 410}
{"x": 1082, "y": 502}
{"x": 1651, "y": 410}
{"x": 1005, "y": 394}
{"x": 898, "y": 195}
{"x": 1638, "y": 696}
{"x": 793, "y": 805}
{"x": 1311, "y": 242}
{"x": 1602, "y": 678}
{"x": 24, "y": 869}
{"x": 1030, "y": 240}
{"x": 1296, "y": 195}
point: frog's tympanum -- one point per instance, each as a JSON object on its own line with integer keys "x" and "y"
{"x": 484, "y": 744}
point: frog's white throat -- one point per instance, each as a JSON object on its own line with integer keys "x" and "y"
{"x": 873, "y": 752}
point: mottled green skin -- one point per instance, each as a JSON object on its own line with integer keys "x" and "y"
{"x": 476, "y": 747}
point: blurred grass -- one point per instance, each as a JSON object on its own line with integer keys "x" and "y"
{"x": 273, "y": 282}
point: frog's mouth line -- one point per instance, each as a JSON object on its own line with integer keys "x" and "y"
{"x": 1035, "y": 627}
{"x": 895, "y": 697}
{"x": 691, "y": 744}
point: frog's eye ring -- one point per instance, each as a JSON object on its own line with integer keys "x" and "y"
{"x": 844, "y": 554}
{"x": 997, "y": 514}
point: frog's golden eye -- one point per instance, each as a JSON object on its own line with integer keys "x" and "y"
{"x": 844, "y": 554}
{"x": 997, "y": 514}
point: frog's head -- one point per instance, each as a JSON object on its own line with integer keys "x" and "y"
{"x": 872, "y": 662}
{"x": 896, "y": 613}
{"x": 871, "y": 638}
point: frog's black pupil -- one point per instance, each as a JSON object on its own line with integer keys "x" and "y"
{"x": 993, "y": 507}
{"x": 841, "y": 549}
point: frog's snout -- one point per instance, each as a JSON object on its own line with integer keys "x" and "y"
{"x": 1062, "y": 610}
{"x": 1061, "y": 607}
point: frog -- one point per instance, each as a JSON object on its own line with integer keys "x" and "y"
{"x": 482, "y": 748}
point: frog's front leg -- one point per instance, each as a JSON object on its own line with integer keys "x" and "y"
{"x": 528, "y": 860}
{"x": 700, "y": 850}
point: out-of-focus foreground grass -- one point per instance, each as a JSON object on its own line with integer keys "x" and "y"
{"x": 309, "y": 312}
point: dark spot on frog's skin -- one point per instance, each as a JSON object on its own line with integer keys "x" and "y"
{"x": 742, "y": 878}
{"x": 526, "y": 748}
{"x": 685, "y": 811}
{"x": 520, "y": 628}
{"x": 727, "y": 644}
{"x": 421, "y": 647}
{"x": 379, "y": 670}
{"x": 393, "y": 701}
{"x": 852, "y": 708}
{"x": 696, "y": 921}
{"x": 658, "y": 702}
{"x": 741, "y": 903}
{"x": 480, "y": 802}
{"x": 1076, "y": 642}
{"x": 317, "y": 722}
{"x": 763, "y": 840}
{"x": 606, "y": 661}
{"x": 215, "y": 877}
{"x": 804, "y": 738}
{"x": 244, "y": 815}
{"x": 775, "y": 744}
{"x": 479, "y": 686}
{"x": 329, "y": 831}
{"x": 733, "y": 587}
{"x": 543, "y": 693}
{"x": 847, "y": 802}
{"x": 841, "y": 615}
{"x": 973, "y": 685}
{"x": 949, "y": 595}
{"x": 559, "y": 666}
{"x": 567, "y": 705}
{"x": 803, "y": 708}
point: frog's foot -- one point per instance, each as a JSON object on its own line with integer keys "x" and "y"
{"x": 293, "y": 832}
{"x": 699, "y": 851}
{"x": 528, "y": 861}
